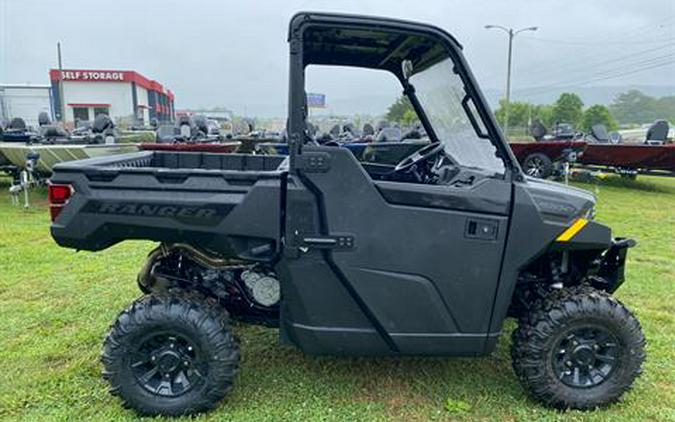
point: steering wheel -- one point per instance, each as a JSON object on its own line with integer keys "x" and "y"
{"x": 418, "y": 156}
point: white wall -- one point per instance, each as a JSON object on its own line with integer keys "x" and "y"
{"x": 117, "y": 94}
{"x": 25, "y": 102}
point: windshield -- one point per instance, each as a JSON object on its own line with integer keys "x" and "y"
{"x": 440, "y": 92}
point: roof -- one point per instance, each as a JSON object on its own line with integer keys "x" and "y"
{"x": 26, "y": 86}
{"x": 371, "y": 42}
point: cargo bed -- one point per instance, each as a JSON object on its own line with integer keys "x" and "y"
{"x": 229, "y": 204}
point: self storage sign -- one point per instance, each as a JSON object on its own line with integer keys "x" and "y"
{"x": 93, "y": 75}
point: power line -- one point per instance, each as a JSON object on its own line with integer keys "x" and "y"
{"x": 627, "y": 65}
{"x": 612, "y": 75}
{"x": 575, "y": 64}
{"x": 610, "y": 42}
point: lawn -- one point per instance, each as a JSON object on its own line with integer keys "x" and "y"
{"x": 56, "y": 306}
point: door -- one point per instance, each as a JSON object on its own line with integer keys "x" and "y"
{"x": 374, "y": 263}
{"x": 379, "y": 267}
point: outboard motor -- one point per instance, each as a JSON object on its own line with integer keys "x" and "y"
{"x": 103, "y": 129}
{"x": 186, "y": 128}
{"x": 657, "y": 133}
{"x": 50, "y": 133}
{"x": 202, "y": 125}
{"x": 17, "y": 124}
{"x": 43, "y": 118}
{"x": 368, "y": 132}
{"x": 538, "y": 130}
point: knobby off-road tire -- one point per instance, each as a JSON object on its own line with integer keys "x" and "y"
{"x": 171, "y": 353}
{"x": 578, "y": 348}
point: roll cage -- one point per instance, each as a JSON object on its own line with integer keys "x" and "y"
{"x": 382, "y": 44}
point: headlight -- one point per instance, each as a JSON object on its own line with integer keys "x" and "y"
{"x": 590, "y": 214}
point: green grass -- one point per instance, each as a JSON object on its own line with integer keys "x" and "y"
{"x": 56, "y": 306}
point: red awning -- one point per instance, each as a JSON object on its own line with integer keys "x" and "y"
{"x": 87, "y": 105}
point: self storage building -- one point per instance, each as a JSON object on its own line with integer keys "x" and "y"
{"x": 122, "y": 94}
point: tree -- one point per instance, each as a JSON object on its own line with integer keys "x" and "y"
{"x": 543, "y": 112}
{"x": 635, "y": 107}
{"x": 522, "y": 114}
{"x": 595, "y": 115}
{"x": 519, "y": 113}
{"x": 567, "y": 109}
{"x": 409, "y": 118}
{"x": 397, "y": 110}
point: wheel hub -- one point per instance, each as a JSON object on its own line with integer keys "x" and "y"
{"x": 168, "y": 361}
{"x": 585, "y": 357}
{"x": 167, "y": 365}
{"x": 535, "y": 167}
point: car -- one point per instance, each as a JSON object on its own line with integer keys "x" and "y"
{"x": 425, "y": 257}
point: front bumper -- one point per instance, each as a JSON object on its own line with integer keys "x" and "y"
{"x": 610, "y": 266}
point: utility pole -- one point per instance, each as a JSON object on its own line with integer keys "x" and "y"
{"x": 511, "y": 33}
{"x": 62, "y": 105}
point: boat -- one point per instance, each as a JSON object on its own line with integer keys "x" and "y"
{"x": 637, "y": 157}
{"x": 654, "y": 156}
{"x": 52, "y": 145}
{"x": 50, "y": 155}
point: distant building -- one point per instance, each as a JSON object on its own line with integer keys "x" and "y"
{"x": 121, "y": 94}
{"x": 25, "y": 101}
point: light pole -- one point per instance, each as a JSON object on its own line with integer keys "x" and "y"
{"x": 511, "y": 33}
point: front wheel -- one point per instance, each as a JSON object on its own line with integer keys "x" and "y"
{"x": 171, "y": 354}
{"x": 578, "y": 348}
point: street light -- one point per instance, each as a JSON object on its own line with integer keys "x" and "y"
{"x": 511, "y": 33}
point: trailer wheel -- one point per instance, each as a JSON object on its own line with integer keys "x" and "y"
{"x": 579, "y": 348}
{"x": 171, "y": 354}
{"x": 538, "y": 165}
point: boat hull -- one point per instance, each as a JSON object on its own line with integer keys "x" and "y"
{"x": 627, "y": 156}
{"x": 50, "y": 155}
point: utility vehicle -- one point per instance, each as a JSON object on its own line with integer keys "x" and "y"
{"x": 424, "y": 257}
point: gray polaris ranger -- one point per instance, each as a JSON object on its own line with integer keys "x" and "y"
{"x": 425, "y": 257}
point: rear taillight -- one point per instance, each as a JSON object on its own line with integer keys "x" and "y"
{"x": 58, "y": 198}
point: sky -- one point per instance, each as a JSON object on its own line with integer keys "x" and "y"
{"x": 234, "y": 53}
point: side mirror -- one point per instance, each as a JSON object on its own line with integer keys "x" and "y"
{"x": 406, "y": 69}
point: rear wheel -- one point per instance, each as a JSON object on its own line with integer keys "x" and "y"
{"x": 538, "y": 165}
{"x": 578, "y": 348}
{"x": 171, "y": 354}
